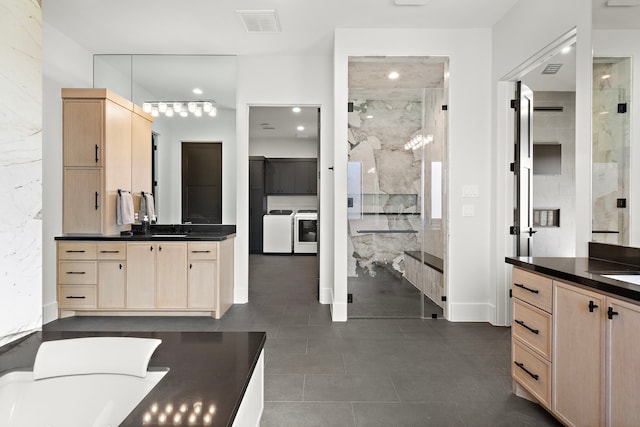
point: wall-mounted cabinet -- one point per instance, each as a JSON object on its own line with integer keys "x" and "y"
{"x": 291, "y": 176}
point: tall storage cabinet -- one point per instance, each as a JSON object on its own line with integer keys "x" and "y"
{"x": 101, "y": 136}
{"x": 257, "y": 203}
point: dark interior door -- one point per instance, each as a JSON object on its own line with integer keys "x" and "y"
{"x": 202, "y": 182}
{"x": 523, "y": 215}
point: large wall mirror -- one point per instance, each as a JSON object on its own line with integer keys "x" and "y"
{"x": 616, "y": 124}
{"x": 193, "y": 100}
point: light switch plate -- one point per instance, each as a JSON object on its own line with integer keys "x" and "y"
{"x": 470, "y": 191}
{"x": 468, "y": 210}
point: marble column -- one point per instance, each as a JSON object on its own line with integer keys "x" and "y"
{"x": 20, "y": 168}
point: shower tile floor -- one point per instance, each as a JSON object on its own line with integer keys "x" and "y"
{"x": 365, "y": 372}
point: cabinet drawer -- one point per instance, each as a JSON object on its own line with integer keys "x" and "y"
{"x": 112, "y": 251}
{"x": 77, "y": 296}
{"x": 76, "y": 250}
{"x": 202, "y": 250}
{"x": 77, "y": 273}
{"x": 535, "y": 289}
{"x": 531, "y": 372}
{"x": 533, "y": 327}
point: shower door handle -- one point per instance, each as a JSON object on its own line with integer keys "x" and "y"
{"x": 387, "y": 231}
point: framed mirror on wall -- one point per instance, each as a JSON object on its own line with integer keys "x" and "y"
{"x": 192, "y": 99}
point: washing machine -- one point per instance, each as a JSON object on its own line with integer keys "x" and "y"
{"x": 305, "y": 235}
{"x": 277, "y": 234}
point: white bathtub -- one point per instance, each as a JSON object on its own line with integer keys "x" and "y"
{"x": 80, "y": 382}
{"x": 98, "y": 400}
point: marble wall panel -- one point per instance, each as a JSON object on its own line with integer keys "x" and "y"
{"x": 20, "y": 169}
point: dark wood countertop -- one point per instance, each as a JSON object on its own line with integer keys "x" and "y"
{"x": 191, "y": 237}
{"x": 584, "y": 271}
{"x": 213, "y": 368}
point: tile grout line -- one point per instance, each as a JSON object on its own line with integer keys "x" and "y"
{"x": 395, "y": 388}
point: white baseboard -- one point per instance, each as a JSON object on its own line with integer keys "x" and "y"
{"x": 326, "y": 295}
{"x": 471, "y": 312}
{"x": 338, "y": 309}
{"x": 241, "y": 295}
{"x": 49, "y": 312}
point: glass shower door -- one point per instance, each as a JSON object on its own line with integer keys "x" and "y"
{"x": 391, "y": 175}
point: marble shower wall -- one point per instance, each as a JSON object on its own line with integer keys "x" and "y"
{"x": 20, "y": 168}
{"x": 556, "y": 191}
{"x": 391, "y": 177}
{"x": 611, "y": 140}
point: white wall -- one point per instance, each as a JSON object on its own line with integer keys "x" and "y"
{"x": 285, "y": 148}
{"x": 175, "y": 130}
{"x": 20, "y": 169}
{"x": 284, "y": 80}
{"x": 64, "y": 64}
{"x": 521, "y": 34}
{"x": 627, "y": 43}
{"x": 466, "y": 257}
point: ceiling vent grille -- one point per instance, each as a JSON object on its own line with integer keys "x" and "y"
{"x": 260, "y": 21}
{"x": 551, "y": 68}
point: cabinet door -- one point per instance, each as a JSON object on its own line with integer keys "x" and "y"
{"x": 112, "y": 279}
{"x": 83, "y": 132}
{"x": 280, "y": 176}
{"x": 623, "y": 364}
{"x": 141, "y": 275}
{"x": 202, "y": 284}
{"x": 256, "y": 174}
{"x": 172, "y": 275}
{"x": 305, "y": 177}
{"x": 82, "y": 201}
{"x": 578, "y": 356}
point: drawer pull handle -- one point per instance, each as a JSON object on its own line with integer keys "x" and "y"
{"x": 533, "y": 291}
{"x": 109, "y": 252}
{"x": 73, "y": 297}
{"x": 97, "y": 206}
{"x": 200, "y": 252}
{"x": 120, "y": 266}
{"x": 190, "y": 266}
{"x": 76, "y": 252}
{"x": 521, "y": 366}
{"x": 76, "y": 272}
{"x": 611, "y": 313}
{"x": 97, "y": 148}
{"x": 524, "y": 325}
{"x": 592, "y": 306}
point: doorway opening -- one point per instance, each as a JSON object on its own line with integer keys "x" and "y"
{"x": 396, "y": 182}
{"x": 201, "y": 182}
{"x": 284, "y": 214}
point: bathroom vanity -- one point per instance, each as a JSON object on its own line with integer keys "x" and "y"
{"x": 166, "y": 272}
{"x": 575, "y": 341}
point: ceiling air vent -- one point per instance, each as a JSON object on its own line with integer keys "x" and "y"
{"x": 551, "y": 68}
{"x": 260, "y": 21}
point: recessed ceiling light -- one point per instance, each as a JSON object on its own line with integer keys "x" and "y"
{"x": 197, "y": 91}
{"x": 300, "y": 128}
{"x": 605, "y": 76}
{"x": 296, "y": 109}
{"x": 566, "y": 49}
{"x": 393, "y": 75}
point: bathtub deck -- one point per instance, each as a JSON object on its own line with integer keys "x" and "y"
{"x": 208, "y": 372}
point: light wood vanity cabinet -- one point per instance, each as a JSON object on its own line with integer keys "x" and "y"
{"x": 593, "y": 368}
{"x": 104, "y": 142}
{"x": 145, "y": 277}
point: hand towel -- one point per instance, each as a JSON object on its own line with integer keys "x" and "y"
{"x": 150, "y": 207}
{"x": 124, "y": 208}
{"x": 143, "y": 207}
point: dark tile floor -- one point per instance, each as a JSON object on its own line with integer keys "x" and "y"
{"x": 366, "y": 372}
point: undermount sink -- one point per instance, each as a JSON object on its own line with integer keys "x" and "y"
{"x": 628, "y": 277}
{"x": 164, "y": 236}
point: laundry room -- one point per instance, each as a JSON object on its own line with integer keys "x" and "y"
{"x": 283, "y": 180}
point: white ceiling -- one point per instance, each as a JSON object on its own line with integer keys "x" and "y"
{"x": 214, "y": 27}
{"x": 278, "y": 123}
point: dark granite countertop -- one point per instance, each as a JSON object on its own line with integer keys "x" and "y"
{"x": 583, "y": 271}
{"x": 165, "y": 232}
{"x": 213, "y": 368}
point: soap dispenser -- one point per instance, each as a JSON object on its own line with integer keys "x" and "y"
{"x": 146, "y": 227}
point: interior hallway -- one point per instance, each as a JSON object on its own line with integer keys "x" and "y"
{"x": 366, "y": 372}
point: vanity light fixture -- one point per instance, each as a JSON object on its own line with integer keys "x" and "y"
{"x": 183, "y": 108}
{"x": 418, "y": 141}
